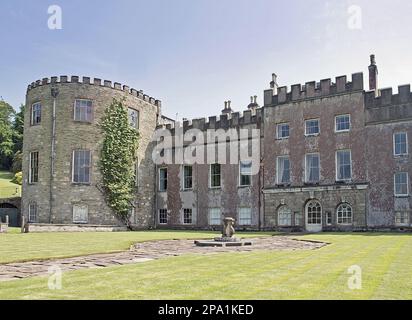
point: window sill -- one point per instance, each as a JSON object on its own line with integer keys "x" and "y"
{"x": 81, "y": 184}
{"x": 82, "y": 122}
{"x": 312, "y": 183}
{"x": 343, "y": 181}
{"x": 80, "y": 223}
{"x": 342, "y": 131}
{"x": 401, "y": 196}
{"x": 282, "y": 139}
{"x": 242, "y": 187}
{"x": 186, "y": 190}
{"x": 283, "y": 185}
{"x": 400, "y": 156}
{"x": 215, "y": 188}
{"x": 312, "y": 135}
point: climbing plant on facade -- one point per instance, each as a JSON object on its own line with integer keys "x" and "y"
{"x": 117, "y": 161}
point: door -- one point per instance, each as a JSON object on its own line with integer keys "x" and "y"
{"x": 12, "y": 212}
{"x": 313, "y": 216}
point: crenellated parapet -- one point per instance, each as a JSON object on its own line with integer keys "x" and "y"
{"x": 313, "y": 90}
{"x": 386, "y": 97}
{"x": 94, "y": 82}
{"x": 383, "y": 106}
{"x": 224, "y": 121}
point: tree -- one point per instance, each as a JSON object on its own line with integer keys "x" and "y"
{"x": 117, "y": 160}
{"x": 18, "y": 128}
{"x": 6, "y": 134}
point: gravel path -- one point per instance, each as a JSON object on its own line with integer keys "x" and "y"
{"x": 146, "y": 251}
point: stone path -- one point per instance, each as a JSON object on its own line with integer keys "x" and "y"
{"x": 146, "y": 251}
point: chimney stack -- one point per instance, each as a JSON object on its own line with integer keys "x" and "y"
{"x": 227, "y": 109}
{"x": 273, "y": 83}
{"x": 373, "y": 75}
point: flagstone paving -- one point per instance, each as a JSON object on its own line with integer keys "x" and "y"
{"x": 143, "y": 252}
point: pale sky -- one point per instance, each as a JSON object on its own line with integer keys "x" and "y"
{"x": 195, "y": 54}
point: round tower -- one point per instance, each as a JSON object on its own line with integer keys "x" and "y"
{"x": 61, "y": 151}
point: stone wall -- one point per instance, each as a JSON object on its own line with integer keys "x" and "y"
{"x": 40, "y": 228}
{"x": 71, "y": 135}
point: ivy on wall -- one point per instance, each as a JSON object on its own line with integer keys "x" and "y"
{"x": 117, "y": 161}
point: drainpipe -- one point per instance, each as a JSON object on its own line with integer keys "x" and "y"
{"x": 54, "y": 94}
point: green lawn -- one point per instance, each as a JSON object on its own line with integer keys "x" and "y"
{"x": 17, "y": 247}
{"x": 385, "y": 259}
{"x": 7, "y": 188}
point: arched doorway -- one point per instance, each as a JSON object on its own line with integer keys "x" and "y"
{"x": 313, "y": 212}
{"x": 7, "y": 209}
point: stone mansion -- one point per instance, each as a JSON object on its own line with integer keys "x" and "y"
{"x": 333, "y": 156}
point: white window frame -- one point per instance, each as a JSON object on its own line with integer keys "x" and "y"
{"x": 306, "y": 167}
{"x": 87, "y": 120}
{"x": 407, "y": 185}
{"x": 279, "y": 175}
{"x": 31, "y": 169}
{"x": 163, "y": 211}
{"x": 210, "y": 176}
{"x": 278, "y": 131}
{"x": 394, "y": 144}
{"x": 402, "y": 224}
{"x": 336, "y": 123}
{"x": 184, "y": 178}
{"x": 80, "y": 206}
{"x": 351, "y": 215}
{"x": 241, "y": 223}
{"x": 337, "y": 169}
{"x": 285, "y": 210}
{"x": 246, "y": 175}
{"x": 218, "y": 212}
{"x": 191, "y": 216}
{"x": 33, "y": 203}
{"x": 32, "y": 111}
{"x": 165, "y": 179}
{"x": 329, "y": 218}
{"x": 129, "y": 110}
{"x": 90, "y": 166}
{"x": 306, "y": 128}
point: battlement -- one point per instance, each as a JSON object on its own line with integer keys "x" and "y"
{"x": 224, "y": 121}
{"x": 313, "y": 90}
{"x": 95, "y": 82}
{"x": 386, "y": 97}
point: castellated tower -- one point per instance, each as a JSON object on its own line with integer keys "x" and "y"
{"x": 62, "y": 144}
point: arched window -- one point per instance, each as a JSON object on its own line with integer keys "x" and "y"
{"x": 284, "y": 216}
{"x": 314, "y": 212}
{"x": 344, "y": 213}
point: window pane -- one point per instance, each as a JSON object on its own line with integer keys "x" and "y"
{"x": 163, "y": 216}
{"x": 312, "y": 168}
{"x": 245, "y": 216}
{"x": 188, "y": 180}
{"x": 312, "y": 127}
{"x": 163, "y": 179}
{"x": 215, "y": 216}
{"x": 283, "y": 130}
{"x": 81, "y": 166}
{"x": 187, "y": 216}
{"x": 344, "y": 165}
{"x": 401, "y": 183}
{"x": 283, "y": 170}
{"x": 215, "y": 175}
{"x": 400, "y": 143}
{"x": 343, "y": 123}
{"x": 245, "y": 173}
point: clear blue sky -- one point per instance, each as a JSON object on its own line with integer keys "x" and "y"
{"x": 195, "y": 54}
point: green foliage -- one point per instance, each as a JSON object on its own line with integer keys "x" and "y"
{"x": 17, "y": 165}
{"x": 117, "y": 159}
{"x": 18, "y": 178}
{"x": 11, "y": 134}
{"x": 6, "y": 133}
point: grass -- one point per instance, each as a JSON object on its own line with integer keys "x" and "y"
{"x": 8, "y": 188}
{"x": 385, "y": 259}
{"x": 17, "y": 247}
